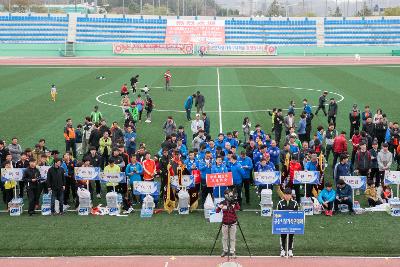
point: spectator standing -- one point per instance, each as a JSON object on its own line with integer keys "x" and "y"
{"x": 200, "y": 101}
{"x": 56, "y": 184}
{"x": 197, "y": 125}
{"x": 332, "y": 111}
{"x": 15, "y": 150}
{"x": 96, "y": 115}
{"x": 69, "y": 135}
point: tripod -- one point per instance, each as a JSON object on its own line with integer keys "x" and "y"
{"x": 229, "y": 239}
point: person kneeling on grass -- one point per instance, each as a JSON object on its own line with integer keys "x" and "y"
{"x": 344, "y": 195}
{"x": 229, "y": 221}
{"x": 326, "y": 198}
{"x": 287, "y": 203}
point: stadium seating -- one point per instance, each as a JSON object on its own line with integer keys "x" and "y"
{"x": 33, "y": 29}
{"x": 129, "y": 30}
{"x": 378, "y": 31}
{"x": 278, "y": 32}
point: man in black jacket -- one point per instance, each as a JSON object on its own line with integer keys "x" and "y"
{"x": 164, "y": 161}
{"x": 31, "y": 178}
{"x": 56, "y": 183}
{"x": 95, "y": 161}
{"x": 332, "y": 111}
{"x": 354, "y": 117}
{"x": 321, "y": 103}
{"x": 287, "y": 203}
{"x": 278, "y": 125}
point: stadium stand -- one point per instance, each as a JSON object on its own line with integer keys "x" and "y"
{"x": 377, "y": 31}
{"x": 50, "y": 28}
{"x": 278, "y": 32}
{"x": 129, "y": 30}
{"x": 33, "y": 29}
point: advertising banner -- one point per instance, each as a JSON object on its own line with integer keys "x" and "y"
{"x": 195, "y": 32}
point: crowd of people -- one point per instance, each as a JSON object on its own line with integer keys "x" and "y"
{"x": 374, "y": 149}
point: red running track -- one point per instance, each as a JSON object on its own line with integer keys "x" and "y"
{"x": 197, "y": 61}
{"x": 197, "y": 261}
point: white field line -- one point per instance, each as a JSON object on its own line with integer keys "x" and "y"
{"x": 219, "y": 103}
{"x": 341, "y": 98}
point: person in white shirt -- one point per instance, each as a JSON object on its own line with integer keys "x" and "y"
{"x": 197, "y": 124}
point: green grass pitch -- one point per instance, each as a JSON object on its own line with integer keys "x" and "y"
{"x": 27, "y": 112}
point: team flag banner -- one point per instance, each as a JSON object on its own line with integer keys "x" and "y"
{"x": 355, "y": 182}
{"x": 219, "y": 179}
{"x": 113, "y": 177}
{"x": 87, "y": 173}
{"x": 132, "y": 49}
{"x": 266, "y": 50}
{"x": 146, "y": 188}
{"x": 195, "y": 32}
{"x": 392, "y": 177}
{"x": 306, "y": 177}
{"x": 43, "y": 172}
{"x": 186, "y": 181}
{"x": 14, "y": 174}
{"x": 288, "y": 222}
{"x": 265, "y": 178}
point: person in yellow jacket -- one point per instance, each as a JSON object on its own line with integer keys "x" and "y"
{"x": 114, "y": 169}
{"x": 9, "y": 186}
{"x": 371, "y": 194}
{"x": 105, "y": 144}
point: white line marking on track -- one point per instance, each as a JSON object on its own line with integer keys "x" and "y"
{"x": 219, "y": 103}
{"x": 166, "y": 264}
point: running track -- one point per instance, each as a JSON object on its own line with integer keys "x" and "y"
{"x": 197, "y": 61}
{"x": 198, "y": 261}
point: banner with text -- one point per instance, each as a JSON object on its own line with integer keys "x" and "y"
{"x": 306, "y": 177}
{"x": 219, "y": 179}
{"x": 87, "y": 173}
{"x": 195, "y": 32}
{"x": 265, "y": 178}
{"x": 355, "y": 182}
{"x": 146, "y": 188}
{"x": 186, "y": 181}
{"x": 113, "y": 177}
{"x": 266, "y": 50}
{"x": 131, "y": 49}
{"x": 14, "y": 174}
{"x": 392, "y": 177}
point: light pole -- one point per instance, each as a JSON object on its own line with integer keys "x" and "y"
{"x": 141, "y": 7}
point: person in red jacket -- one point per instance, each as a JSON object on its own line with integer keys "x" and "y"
{"x": 339, "y": 147}
{"x": 355, "y": 140}
{"x": 124, "y": 90}
{"x": 294, "y": 166}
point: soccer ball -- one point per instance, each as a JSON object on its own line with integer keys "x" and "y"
{"x": 357, "y": 57}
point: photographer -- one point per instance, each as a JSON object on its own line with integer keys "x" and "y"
{"x": 229, "y": 222}
{"x": 287, "y": 203}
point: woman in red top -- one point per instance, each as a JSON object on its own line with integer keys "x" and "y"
{"x": 149, "y": 168}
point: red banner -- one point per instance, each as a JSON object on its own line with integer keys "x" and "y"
{"x": 131, "y": 49}
{"x": 195, "y": 32}
{"x": 219, "y": 179}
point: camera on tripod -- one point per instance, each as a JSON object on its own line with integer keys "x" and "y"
{"x": 231, "y": 196}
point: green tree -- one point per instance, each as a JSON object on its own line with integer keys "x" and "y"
{"x": 275, "y": 10}
{"x": 364, "y": 12}
{"x": 337, "y": 13}
{"x": 392, "y": 11}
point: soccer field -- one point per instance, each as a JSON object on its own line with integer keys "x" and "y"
{"x": 231, "y": 93}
